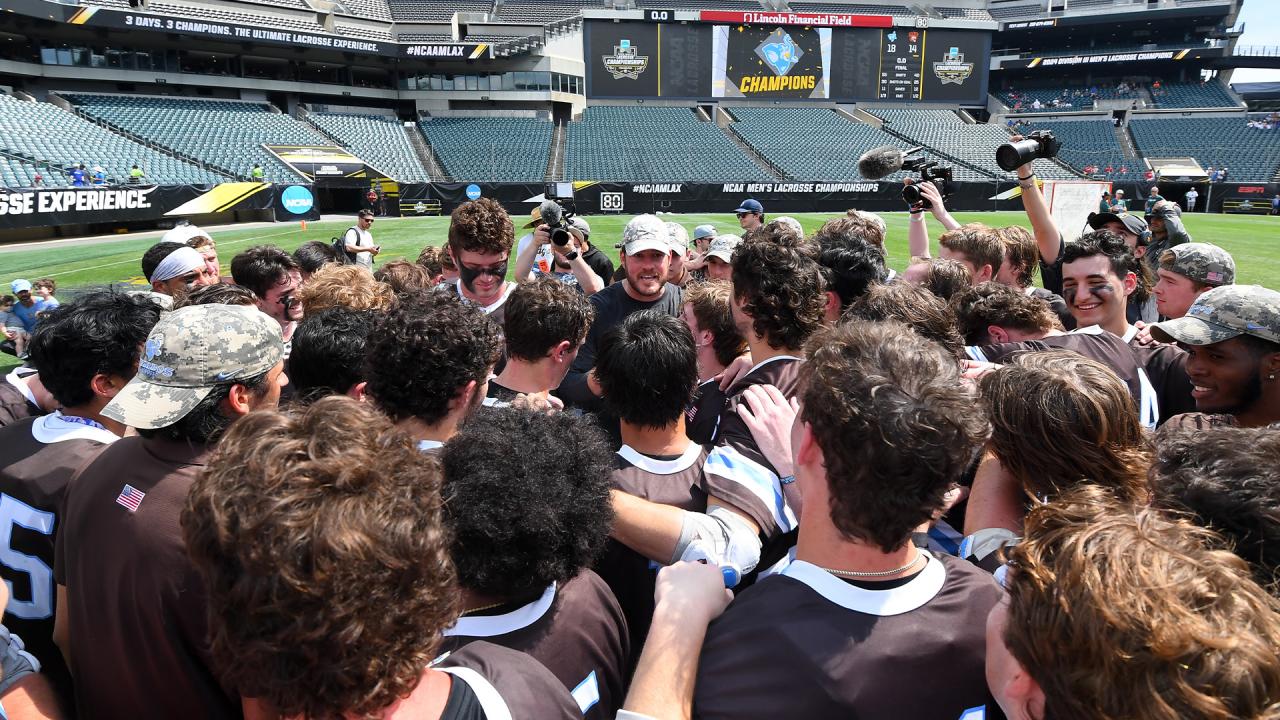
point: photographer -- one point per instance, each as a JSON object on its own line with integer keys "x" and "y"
{"x": 576, "y": 262}
{"x": 918, "y": 231}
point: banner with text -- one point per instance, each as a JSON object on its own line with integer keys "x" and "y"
{"x": 49, "y": 207}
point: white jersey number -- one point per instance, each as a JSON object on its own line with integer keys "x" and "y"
{"x": 15, "y": 512}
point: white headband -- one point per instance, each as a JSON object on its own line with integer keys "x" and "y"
{"x": 177, "y": 263}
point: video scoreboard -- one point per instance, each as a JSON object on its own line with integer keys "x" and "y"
{"x": 776, "y": 61}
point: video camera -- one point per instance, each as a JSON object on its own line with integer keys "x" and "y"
{"x": 930, "y": 172}
{"x": 1040, "y": 144}
{"x": 555, "y": 216}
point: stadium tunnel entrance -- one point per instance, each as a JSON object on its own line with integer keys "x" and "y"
{"x": 340, "y": 200}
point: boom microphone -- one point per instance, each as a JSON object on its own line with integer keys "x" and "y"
{"x": 882, "y": 161}
{"x": 550, "y": 212}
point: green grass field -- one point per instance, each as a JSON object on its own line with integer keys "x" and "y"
{"x": 1254, "y": 242}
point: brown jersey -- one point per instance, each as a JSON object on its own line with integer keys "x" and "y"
{"x": 38, "y": 457}
{"x": 1096, "y": 344}
{"x": 508, "y": 683}
{"x": 136, "y": 605}
{"x": 678, "y": 482}
{"x": 16, "y": 400}
{"x": 1166, "y": 366}
{"x": 702, "y": 416}
{"x": 737, "y": 471}
{"x": 576, "y": 630}
{"x": 805, "y": 644}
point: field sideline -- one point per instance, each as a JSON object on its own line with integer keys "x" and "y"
{"x": 1254, "y": 241}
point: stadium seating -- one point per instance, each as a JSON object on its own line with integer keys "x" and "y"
{"x": 378, "y": 140}
{"x": 501, "y": 149}
{"x": 1083, "y": 101}
{"x": 362, "y": 32}
{"x": 44, "y": 133}
{"x": 232, "y": 16}
{"x": 1193, "y": 95}
{"x": 858, "y": 8}
{"x": 20, "y": 174}
{"x": 542, "y": 13}
{"x": 964, "y": 13}
{"x": 945, "y": 132}
{"x": 741, "y": 5}
{"x": 370, "y": 9}
{"x": 228, "y": 133}
{"x": 435, "y": 10}
{"x": 641, "y": 144}
{"x": 1250, "y": 154}
{"x": 1017, "y": 11}
{"x": 810, "y": 143}
{"x": 1090, "y": 142}
{"x": 426, "y": 37}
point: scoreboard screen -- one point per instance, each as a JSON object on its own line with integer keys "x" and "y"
{"x": 792, "y": 62}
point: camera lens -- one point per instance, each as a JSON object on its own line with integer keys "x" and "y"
{"x": 1012, "y": 156}
{"x": 560, "y": 236}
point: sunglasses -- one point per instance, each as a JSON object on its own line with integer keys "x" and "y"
{"x": 497, "y": 271}
{"x": 742, "y": 215}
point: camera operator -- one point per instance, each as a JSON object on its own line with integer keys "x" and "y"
{"x": 918, "y": 230}
{"x": 577, "y": 262}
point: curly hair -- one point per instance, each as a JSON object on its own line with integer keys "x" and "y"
{"x": 349, "y": 286}
{"x": 526, "y": 498}
{"x": 319, "y": 535}
{"x": 46, "y": 283}
{"x": 991, "y": 303}
{"x": 712, "y": 302}
{"x": 424, "y": 351}
{"x": 1124, "y": 612}
{"x": 1119, "y": 256}
{"x": 1229, "y": 480}
{"x": 262, "y": 267}
{"x": 218, "y": 294}
{"x": 979, "y": 244}
{"x": 868, "y": 226}
{"x": 482, "y": 226}
{"x": 1060, "y": 419}
{"x": 921, "y": 310}
{"x": 404, "y": 277}
{"x": 98, "y": 333}
{"x": 946, "y": 278}
{"x": 782, "y": 286}
{"x": 647, "y": 366}
{"x": 543, "y": 313}
{"x": 1021, "y": 252}
{"x": 895, "y": 424}
{"x": 851, "y": 251}
{"x": 430, "y": 259}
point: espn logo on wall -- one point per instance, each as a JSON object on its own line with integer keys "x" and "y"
{"x": 611, "y": 202}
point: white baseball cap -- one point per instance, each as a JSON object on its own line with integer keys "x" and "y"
{"x": 723, "y": 246}
{"x": 645, "y": 232}
{"x": 678, "y": 237}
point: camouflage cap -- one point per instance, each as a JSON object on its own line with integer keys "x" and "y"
{"x": 1224, "y": 313}
{"x": 191, "y": 351}
{"x": 1204, "y": 263}
{"x": 678, "y": 236}
{"x": 723, "y": 246}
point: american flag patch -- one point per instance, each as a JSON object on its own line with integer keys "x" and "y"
{"x": 130, "y": 498}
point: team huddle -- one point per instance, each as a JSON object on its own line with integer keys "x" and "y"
{"x": 742, "y": 476}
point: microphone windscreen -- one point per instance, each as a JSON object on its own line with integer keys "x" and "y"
{"x": 880, "y": 162}
{"x": 550, "y": 212}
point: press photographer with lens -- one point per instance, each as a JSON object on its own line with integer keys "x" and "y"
{"x": 566, "y": 239}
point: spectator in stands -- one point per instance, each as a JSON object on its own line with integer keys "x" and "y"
{"x": 750, "y": 215}
{"x": 37, "y": 180}
{"x": 480, "y": 240}
{"x": 173, "y": 269}
{"x": 1222, "y": 174}
{"x": 1232, "y": 338}
{"x": 373, "y": 564}
{"x": 135, "y": 175}
{"x": 345, "y": 286}
{"x": 311, "y": 256}
{"x": 427, "y": 363}
{"x": 646, "y": 259}
{"x": 1190, "y": 199}
{"x": 79, "y": 177}
{"x": 1109, "y": 169}
{"x": 855, "y": 559}
{"x": 358, "y": 241}
{"x": 1186, "y": 272}
{"x": 708, "y": 311}
{"x": 202, "y": 367}
{"x": 1213, "y": 174}
{"x": 273, "y": 275}
{"x": 528, "y": 506}
{"x": 256, "y": 173}
{"x": 99, "y": 176}
{"x": 546, "y": 324}
{"x": 327, "y": 353}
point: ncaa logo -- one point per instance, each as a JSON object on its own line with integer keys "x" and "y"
{"x": 473, "y": 192}
{"x": 611, "y": 202}
{"x": 297, "y": 200}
